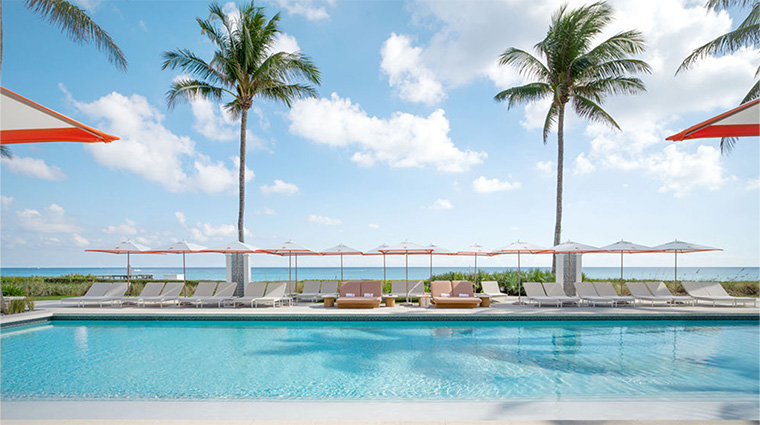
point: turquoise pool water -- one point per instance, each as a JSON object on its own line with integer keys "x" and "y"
{"x": 380, "y": 360}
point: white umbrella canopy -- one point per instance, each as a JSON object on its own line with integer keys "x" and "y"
{"x": 180, "y": 247}
{"x": 571, "y": 247}
{"x": 290, "y": 249}
{"x": 476, "y": 251}
{"x": 376, "y": 251}
{"x": 518, "y": 247}
{"x": 124, "y": 247}
{"x": 405, "y": 248}
{"x": 341, "y": 250}
{"x": 677, "y": 247}
{"x": 235, "y": 247}
{"x": 625, "y": 247}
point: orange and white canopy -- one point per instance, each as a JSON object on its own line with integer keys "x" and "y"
{"x": 743, "y": 121}
{"x": 24, "y": 121}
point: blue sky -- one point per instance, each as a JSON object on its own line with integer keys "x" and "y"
{"x": 403, "y": 142}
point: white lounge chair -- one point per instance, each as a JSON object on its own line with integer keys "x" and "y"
{"x": 714, "y": 292}
{"x": 587, "y": 293}
{"x": 417, "y": 289}
{"x": 251, "y": 292}
{"x": 491, "y": 288}
{"x": 113, "y": 294}
{"x": 170, "y": 293}
{"x": 605, "y": 289}
{"x": 224, "y": 291}
{"x": 329, "y": 289}
{"x": 96, "y": 290}
{"x": 151, "y": 289}
{"x": 202, "y": 291}
{"x": 554, "y": 289}
{"x": 310, "y": 291}
{"x": 399, "y": 289}
{"x": 534, "y": 293}
{"x": 640, "y": 291}
{"x": 275, "y": 293}
{"x": 658, "y": 289}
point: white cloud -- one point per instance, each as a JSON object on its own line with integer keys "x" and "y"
{"x": 403, "y": 140}
{"x": 181, "y": 217}
{"x": 265, "y": 211}
{"x": 11, "y": 241}
{"x": 33, "y": 167}
{"x": 204, "y": 231}
{"x": 143, "y": 26}
{"x": 313, "y": 10}
{"x": 88, "y": 5}
{"x": 285, "y": 43}
{"x": 6, "y": 201}
{"x": 682, "y": 172}
{"x": 413, "y": 81}
{"x": 484, "y": 185}
{"x": 52, "y": 220}
{"x": 582, "y": 165}
{"x": 441, "y": 204}
{"x": 753, "y": 184}
{"x": 212, "y": 121}
{"x": 79, "y": 240}
{"x": 374, "y": 226}
{"x": 123, "y": 229}
{"x": 320, "y": 219}
{"x": 279, "y": 187}
{"x": 547, "y": 168}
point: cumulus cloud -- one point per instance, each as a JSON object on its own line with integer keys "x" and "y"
{"x": 51, "y": 220}
{"x": 547, "y": 168}
{"x": 6, "y": 201}
{"x": 374, "y": 226}
{"x": 413, "y": 81}
{"x": 313, "y": 10}
{"x": 79, "y": 240}
{"x": 753, "y": 184}
{"x": 440, "y": 204}
{"x": 582, "y": 165}
{"x": 205, "y": 231}
{"x": 682, "y": 172}
{"x": 403, "y": 140}
{"x": 279, "y": 187}
{"x": 33, "y": 167}
{"x": 321, "y": 219}
{"x": 484, "y": 185}
{"x": 265, "y": 211}
{"x": 123, "y": 229}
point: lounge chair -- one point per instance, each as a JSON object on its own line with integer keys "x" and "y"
{"x": 605, "y": 289}
{"x": 202, "y": 291}
{"x": 399, "y": 289}
{"x": 275, "y": 293}
{"x": 554, "y": 290}
{"x": 97, "y": 289}
{"x": 587, "y": 293}
{"x": 491, "y": 288}
{"x": 224, "y": 292}
{"x": 329, "y": 289}
{"x": 251, "y": 292}
{"x": 360, "y": 294}
{"x": 310, "y": 291}
{"x": 457, "y": 294}
{"x": 640, "y": 291}
{"x": 170, "y": 293}
{"x": 714, "y": 292}
{"x": 535, "y": 294}
{"x": 417, "y": 290}
{"x": 151, "y": 289}
{"x": 658, "y": 289}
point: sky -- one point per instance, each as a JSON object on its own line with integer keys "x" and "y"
{"x": 403, "y": 142}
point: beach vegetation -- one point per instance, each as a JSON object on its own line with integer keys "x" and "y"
{"x": 12, "y": 291}
{"x": 507, "y": 280}
{"x": 569, "y": 69}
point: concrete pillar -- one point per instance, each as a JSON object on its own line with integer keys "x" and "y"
{"x": 239, "y": 271}
{"x": 569, "y": 271}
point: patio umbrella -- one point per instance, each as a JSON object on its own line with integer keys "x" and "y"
{"x": 436, "y": 250}
{"x": 683, "y": 247}
{"x": 125, "y": 247}
{"x": 181, "y": 247}
{"x": 237, "y": 248}
{"x": 476, "y": 251}
{"x": 571, "y": 247}
{"x": 290, "y": 249}
{"x": 625, "y": 247}
{"x": 518, "y": 247}
{"x": 742, "y": 121}
{"x": 341, "y": 250}
{"x": 406, "y": 248}
{"x": 376, "y": 251}
{"x": 24, "y": 121}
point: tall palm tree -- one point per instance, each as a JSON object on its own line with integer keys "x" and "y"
{"x": 747, "y": 34}
{"x": 243, "y": 68}
{"x": 574, "y": 71}
{"x": 76, "y": 24}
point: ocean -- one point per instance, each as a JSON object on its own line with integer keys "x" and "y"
{"x": 396, "y": 273}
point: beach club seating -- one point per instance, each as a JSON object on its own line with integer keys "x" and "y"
{"x": 399, "y": 289}
{"x": 275, "y": 293}
{"x": 554, "y": 289}
{"x": 203, "y": 290}
{"x": 587, "y": 293}
{"x": 641, "y": 292}
{"x": 169, "y": 294}
{"x": 658, "y": 289}
{"x": 97, "y": 289}
{"x": 535, "y": 294}
{"x": 224, "y": 291}
{"x": 360, "y": 294}
{"x": 456, "y": 294}
{"x": 329, "y": 289}
{"x": 151, "y": 289}
{"x": 491, "y": 288}
{"x": 251, "y": 292}
{"x": 714, "y": 292}
{"x": 605, "y": 289}
{"x": 310, "y": 291}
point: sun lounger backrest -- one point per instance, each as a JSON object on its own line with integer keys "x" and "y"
{"x": 534, "y": 289}
{"x": 695, "y": 289}
{"x": 329, "y": 287}
{"x": 554, "y": 289}
{"x": 276, "y": 290}
{"x": 398, "y": 287}
{"x": 490, "y": 287}
{"x": 715, "y": 289}
{"x": 311, "y": 287}
{"x": 152, "y": 289}
{"x": 172, "y": 289}
{"x": 638, "y": 289}
{"x": 374, "y": 287}
{"x": 204, "y": 289}
{"x": 417, "y": 288}
{"x": 438, "y": 287}
{"x": 459, "y": 287}
{"x": 225, "y": 289}
{"x": 658, "y": 289}
{"x": 351, "y": 287}
{"x": 605, "y": 289}
{"x": 585, "y": 289}
{"x": 98, "y": 289}
{"x": 255, "y": 289}
{"x": 117, "y": 290}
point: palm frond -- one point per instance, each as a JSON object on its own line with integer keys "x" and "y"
{"x": 618, "y": 46}
{"x": 192, "y": 64}
{"x": 5, "y": 152}
{"x": 753, "y": 93}
{"x": 79, "y": 27}
{"x": 527, "y": 65}
{"x": 287, "y": 93}
{"x": 727, "y": 144}
{"x": 614, "y": 68}
{"x": 753, "y": 18}
{"x": 523, "y": 94}
{"x": 724, "y": 44}
{"x": 184, "y": 89}
{"x": 725, "y": 4}
{"x": 598, "y": 89}
{"x": 550, "y": 121}
{"x": 588, "y": 109}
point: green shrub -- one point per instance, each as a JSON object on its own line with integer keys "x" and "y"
{"x": 12, "y": 291}
{"x": 507, "y": 279}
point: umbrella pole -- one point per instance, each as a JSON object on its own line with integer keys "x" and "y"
{"x": 407, "y": 276}
{"x": 341, "y": 266}
{"x": 675, "y": 275}
{"x": 519, "y": 281}
{"x": 129, "y": 281}
{"x": 184, "y": 272}
{"x": 621, "y": 267}
{"x": 431, "y": 266}
{"x": 290, "y": 261}
{"x": 295, "y": 283}
{"x": 384, "y": 278}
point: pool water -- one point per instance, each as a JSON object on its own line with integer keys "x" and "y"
{"x": 134, "y": 360}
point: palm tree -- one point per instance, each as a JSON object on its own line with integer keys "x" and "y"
{"x": 5, "y": 152}
{"x": 747, "y": 34}
{"x": 576, "y": 72}
{"x": 76, "y": 24}
{"x": 243, "y": 68}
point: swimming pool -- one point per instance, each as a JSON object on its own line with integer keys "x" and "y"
{"x": 560, "y": 360}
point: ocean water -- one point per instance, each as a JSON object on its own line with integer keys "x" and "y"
{"x": 104, "y": 360}
{"x": 333, "y": 273}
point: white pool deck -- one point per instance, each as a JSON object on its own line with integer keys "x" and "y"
{"x": 735, "y": 411}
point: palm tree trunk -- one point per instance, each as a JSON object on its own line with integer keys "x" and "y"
{"x": 241, "y": 177}
{"x": 560, "y": 168}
